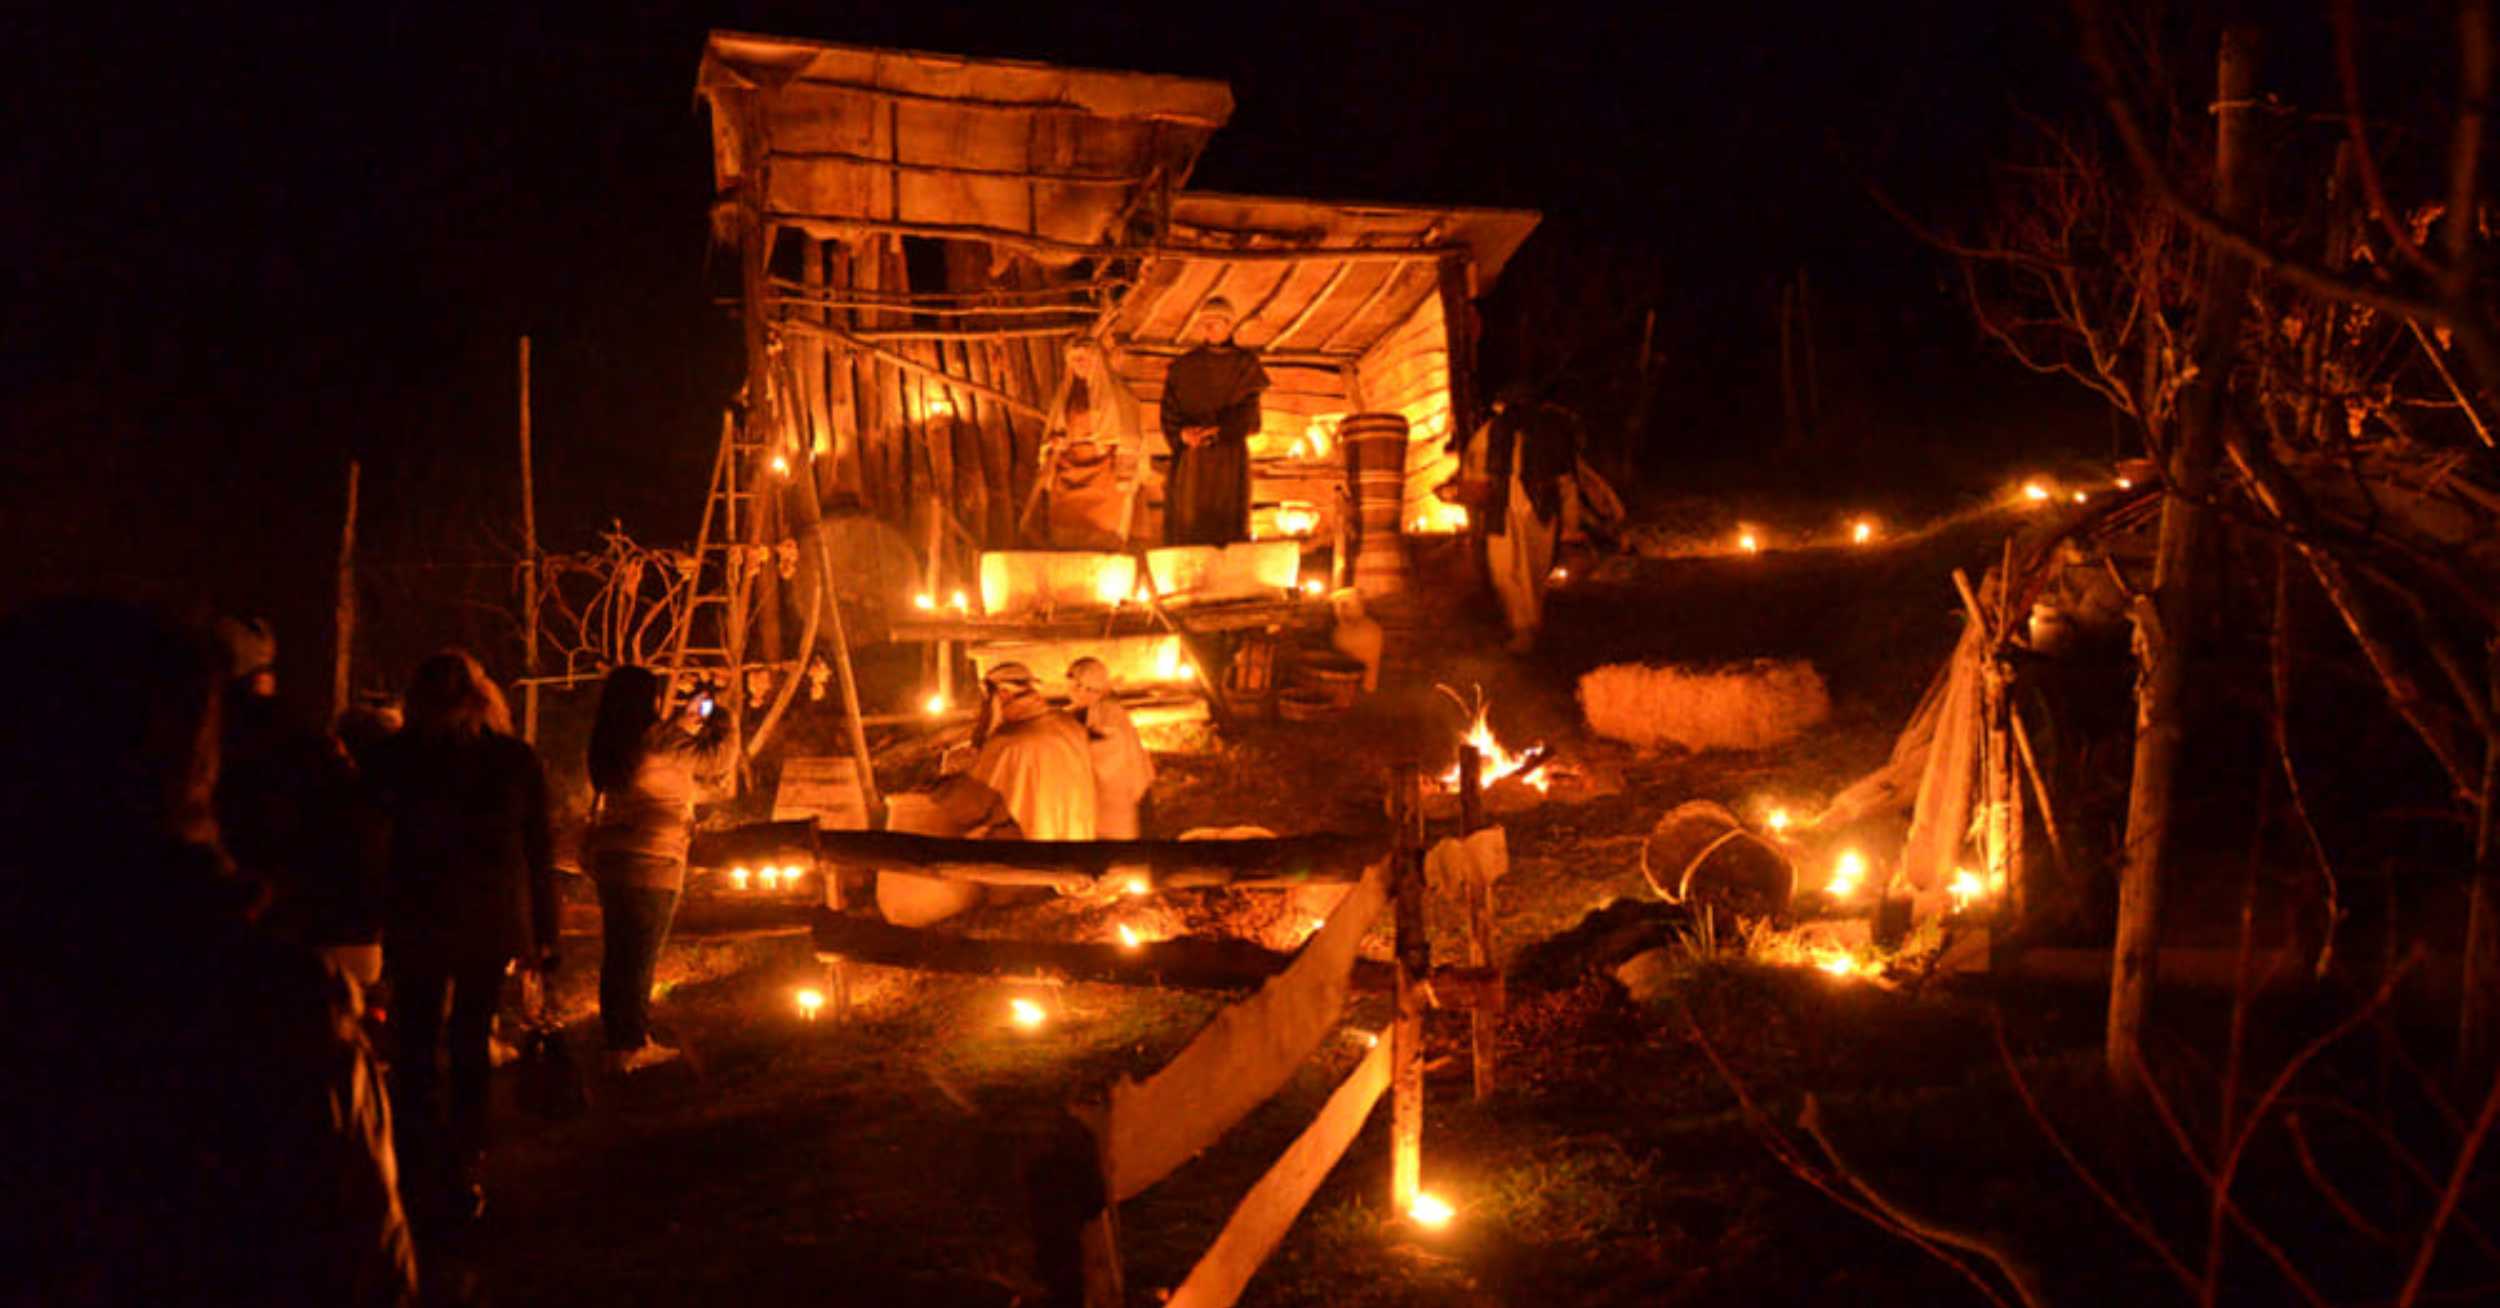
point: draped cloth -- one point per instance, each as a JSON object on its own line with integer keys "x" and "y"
{"x": 1040, "y": 765}
{"x": 1123, "y": 770}
{"x": 1207, "y": 499}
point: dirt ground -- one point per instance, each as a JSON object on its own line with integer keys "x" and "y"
{"x": 877, "y": 1159}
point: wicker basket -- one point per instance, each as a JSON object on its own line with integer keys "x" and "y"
{"x": 1309, "y": 704}
{"x": 1337, "y": 674}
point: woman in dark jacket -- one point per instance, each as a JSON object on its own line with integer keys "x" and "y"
{"x": 645, "y": 772}
{"x": 470, "y": 890}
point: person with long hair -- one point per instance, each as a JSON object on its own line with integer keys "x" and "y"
{"x": 645, "y": 774}
{"x": 470, "y": 890}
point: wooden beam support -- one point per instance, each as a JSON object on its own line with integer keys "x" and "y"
{"x": 1413, "y": 967}
{"x": 1187, "y": 964}
{"x": 911, "y": 366}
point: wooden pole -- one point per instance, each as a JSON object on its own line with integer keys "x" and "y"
{"x": 2478, "y": 1016}
{"x": 529, "y": 564}
{"x": 842, "y": 667}
{"x": 2167, "y": 623}
{"x": 1483, "y": 1024}
{"x": 343, "y": 629}
{"x": 1414, "y": 963}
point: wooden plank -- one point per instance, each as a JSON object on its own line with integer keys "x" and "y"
{"x": 1306, "y": 860}
{"x": 1259, "y": 1223}
{"x": 1413, "y": 948}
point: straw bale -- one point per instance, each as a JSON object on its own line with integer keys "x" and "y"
{"x": 1752, "y": 705}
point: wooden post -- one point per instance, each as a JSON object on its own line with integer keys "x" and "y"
{"x": 343, "y": 628}
{"x": 2167, "y": 623}
{"x": 2478, "y": 1016}
{"x": 1483, "y": 1024}
{"x": 832, "y": 601}
{"x": 1414, "y": 960}
{"x": 529, "y": 564}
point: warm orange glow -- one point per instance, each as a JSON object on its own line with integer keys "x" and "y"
{"x": 2035, "y": 491}
{"x": 1110, "y": 587}
{"x": 2080, "y": 497}
{"x": 1848, "y": 873}
{"x": 1128, "y": 937}
{"x": 781, "y": 465}
{"x": 1965, "y": 889}
{"x": 810, "y": 999}
{"x": 1776, "y": 819}
{"x": 1137, "y": 885}
{"x": 924, "y": 602}
{"x": 934, "y": 705}
{"x": 767, "y": 875}
{"x": 1497, "y": 762}
{"x": 738, "y": 877}
{"x": 2126, "y": 483}
{"x": 1862, "y": 531}
{"x": 1439, "y": 518}
{"x": 1295, "y": 519}
{"x": 1025, "y": 1013}
{"x": 1432, "y": 1211}
{"x": 959, "y": 602}
{"x": 1747, "y": 541}
{"x": 1838, "y": 964}
{"x": 1170, "y": 665}
{"x": 1314, "y": 588}
{"x": 941, "y": 407}
{"x": 1559, "y": 575}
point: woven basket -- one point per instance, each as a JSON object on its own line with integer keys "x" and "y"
{"x": 1309, "y": 704}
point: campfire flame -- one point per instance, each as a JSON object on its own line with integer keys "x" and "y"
{"x": 1499, "y": 764}
{"x": 1128, "y": 937}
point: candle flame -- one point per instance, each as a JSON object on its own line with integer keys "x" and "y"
{"x": 934, "y": 705}
{"x": 1025, "y": 1013}
{"x": 1748, "y": 542}
{"x": 1838, "y": 964}
{"x": 1559, "y": 575}
{"x": 767, "y": 875}
{"x": 1128, "y": 937}
{"x": 738, "y": 877}
{"x": 2035, "y": 492}
{"x": 923, "y": 601}
{"x": 959, "y": 602}
{"x": 1965, "y": 889}
{"x": 1314, "y": 587}
{"x": 1862, "y": 531}
{"x": 781, "y": 465}
{"x": 810, "y": 999}
{"x": 1137, "y": 885}
{"x": 1848, "y": 873}
{"x": 1777, "y": 819}
{"x": 2126, "y": 483}
{"x": 1431, "y": 1210}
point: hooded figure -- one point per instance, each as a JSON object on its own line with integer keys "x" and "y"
{"x": 1525, "y": 457}
{"x": 1035, "y": 757}
{"x": 1123, "y": 770}
{"x": 1210, "y": 411}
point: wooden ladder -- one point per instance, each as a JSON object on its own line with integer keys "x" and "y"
{"x": 723, "y": 577}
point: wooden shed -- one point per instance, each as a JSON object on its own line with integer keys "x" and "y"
{"x": 921, "y": 238}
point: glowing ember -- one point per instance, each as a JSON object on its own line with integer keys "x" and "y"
{"x": 1128, "y": 937}
{"x": 1431, "y": 1210}
{"x": 1748, "y": 542}
{"x": 924, "y": 602}
{"x": 1862, "y": 531}
{"x": 738, "y": 877}
{"x": 810, "y": 999}
{"x": 1025, "y": 1013}
{"x": 1965, "y": 889}
{"x": 1498, "y": 764}
{"x": 934, "y": 705}
{"x": 2035, "y": 492}
{"x": 1848, "y": 873}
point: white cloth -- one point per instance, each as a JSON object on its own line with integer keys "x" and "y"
{"x": 1520, "y": 558}
{"x": 1040, "y": 766}
{"x": 1123, "y": 770}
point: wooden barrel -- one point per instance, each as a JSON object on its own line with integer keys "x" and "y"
{"x": 1375, "y": 455}
{"x": 1337, "y": 676}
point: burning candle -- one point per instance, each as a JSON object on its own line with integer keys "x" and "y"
{"x": 1862, "y": 531}
{"x": 1314, "y": 588}
{"x": 1431, "y": 1211}
{"x": 934, "y": 705}
{"x": 1748, "y": 542}
{"x": 1025, "y": 1013}
{"x": 2080, "y": 497}
{"x": 924, "y": 601}
{"x": 1776, "y": 819}
{"x": 781, "y": 465}
{"x": 959, "y": 602}
{"x": 2126, "y": 483}
{"x": 1559, "y": 575}
{"x": 1128, "y": 937}
{"x": 1847, "y": 873}
{"x": 767, "y": 876}
{"x": 1965, "y": 889}
{"x": 738, "y": 877}
{"x": 2035, "y": 492}
{"x": 810, "y": 999}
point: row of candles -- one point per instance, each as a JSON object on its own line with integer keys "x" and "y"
{"x": 767, "y": 877}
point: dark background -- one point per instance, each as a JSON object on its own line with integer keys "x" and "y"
{"x": 243, "y": 247}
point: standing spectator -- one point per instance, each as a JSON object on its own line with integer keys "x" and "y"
{"x": 1123, "y": 770}
{"x": 190, "y": 1112}
{"x": 1210, "y": 412}
{"x": 471, "y": 890}
{"x": 287, "y": 811}
{"x": 645, "y": 773}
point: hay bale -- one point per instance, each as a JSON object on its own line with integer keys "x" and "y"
{"x": 1739, "y": 706}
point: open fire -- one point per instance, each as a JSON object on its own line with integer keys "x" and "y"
{"x": 1527, "y": 767}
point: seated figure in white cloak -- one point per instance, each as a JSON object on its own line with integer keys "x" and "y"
{"x": 1035, "y": 757}
{"x": 1123, "y": 770}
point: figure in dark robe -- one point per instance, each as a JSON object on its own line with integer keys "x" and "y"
{"x": 1210, "y": 410}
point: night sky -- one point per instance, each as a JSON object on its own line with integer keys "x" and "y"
{"x": 245, "y": 245}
